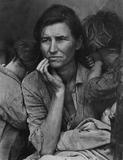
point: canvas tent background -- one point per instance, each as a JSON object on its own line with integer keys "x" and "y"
{"x": 17, "y": 17}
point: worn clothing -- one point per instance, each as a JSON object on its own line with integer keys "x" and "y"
{"x": 101, "y": 91}
{"x": 82, "y": 144}
{"x": 81, "y": 138}
{"x": 89, "y": 143}
{"x": 38, "y": 95}
{"x": 12, "y": 116}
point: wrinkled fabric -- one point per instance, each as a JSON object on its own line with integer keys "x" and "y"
{"x": 101, "y": 92}
{"x": 94, "y": 154}
{"x": 102, "y": 88}
{"x": 80, "y": 144}
{"x": 12, "y": 116}
{"x": 75, "y": 155}
{"x": 78, "y": 139}
{"x": 38, "y": 94}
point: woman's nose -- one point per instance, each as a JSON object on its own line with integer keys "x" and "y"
{"x": 53, "y": 47}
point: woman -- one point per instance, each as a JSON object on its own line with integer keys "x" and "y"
{"x": 54, "y": 95}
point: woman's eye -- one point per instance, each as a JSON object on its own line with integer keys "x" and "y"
{"x": 61, "y": 38}
{"x": 45, "y": 39}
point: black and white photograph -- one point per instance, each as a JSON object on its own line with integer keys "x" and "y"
{"x": 61, "y": 79}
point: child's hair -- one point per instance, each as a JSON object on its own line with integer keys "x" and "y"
{"x": 27, "y": 52}
{"x": 103, "y": 29}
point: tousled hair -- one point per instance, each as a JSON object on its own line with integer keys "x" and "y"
{"x": 27, "y": 52}
{"x": 104, "y": 28}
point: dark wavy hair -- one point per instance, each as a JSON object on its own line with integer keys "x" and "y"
{"x": 104, "y": 29}
{"x": 60, "y": 13}
{"x": 55, "y": 14}
{"x": 27, "y": 52}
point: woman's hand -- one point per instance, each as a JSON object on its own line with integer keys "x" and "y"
{"x": 53, "y": 78}
{"x": 90, "y": 61}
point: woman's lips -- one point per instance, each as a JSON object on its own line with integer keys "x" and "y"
{"x": 54, "y": 58}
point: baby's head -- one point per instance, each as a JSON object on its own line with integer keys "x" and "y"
{"x": 103, "y": 30}
{"x": 106, "y": 116}
{"x": 109, "y": 114}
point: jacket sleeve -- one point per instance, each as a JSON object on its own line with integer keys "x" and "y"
{"x": 13, "y": 111}
{"x": 36, "y": 111}
{"x": 103, "y": 87}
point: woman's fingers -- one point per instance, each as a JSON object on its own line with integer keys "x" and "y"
{"x": 43, "y": 72}
{"x": 90, "y": 61}
{"x": 41, "y": 64}
{"x": 50, "y": 77}
{"x": 42, "y": 67}
{"x": 46, "y": 73}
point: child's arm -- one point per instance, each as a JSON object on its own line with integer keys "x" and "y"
{"x": 95, "y": 70}
{"x": 101, "y": 87}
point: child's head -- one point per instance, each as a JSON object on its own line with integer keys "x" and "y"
{"x": 27, "y": 53}
{"x": 103, "y": 30}
{"x": 104, "y": 35}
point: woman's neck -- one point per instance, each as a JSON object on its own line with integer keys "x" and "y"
{"x": 68, "y": 72}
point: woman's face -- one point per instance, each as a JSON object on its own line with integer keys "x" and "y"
{"x": 58, "y": 44}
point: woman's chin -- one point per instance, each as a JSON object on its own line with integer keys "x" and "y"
{"x": 55, "y": 65}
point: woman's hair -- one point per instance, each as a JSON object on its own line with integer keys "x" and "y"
{"x": 28, "y": 54}
{"x": 55, "y": 14}
{"x": 103, "y": 30}
{"x": 58, "y": 13}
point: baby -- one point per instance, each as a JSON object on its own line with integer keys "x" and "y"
{"x": 109, "y": 114}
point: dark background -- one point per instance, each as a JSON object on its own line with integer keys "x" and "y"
{"x": 18, "y": 17}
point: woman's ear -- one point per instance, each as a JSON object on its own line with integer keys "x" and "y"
{"x": 79, "y": 43}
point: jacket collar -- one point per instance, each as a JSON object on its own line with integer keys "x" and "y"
{"x": 82, "y": 74}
